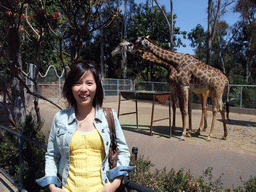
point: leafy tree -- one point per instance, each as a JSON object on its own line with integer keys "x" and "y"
{"x": 43, "y": 32}
{"x": 198, "y": 41}
{"x": 32, "y": 155}
{"x": 247, "y": 10}
{"x": 148, "y": 21}
{"x": 11, "y": 52}
{"x": 220, "y": 56}
{"x": 213, "y": 17}
{"x": 110, "y": 38}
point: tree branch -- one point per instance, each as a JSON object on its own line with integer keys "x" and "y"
{"x": 37, "y": 95}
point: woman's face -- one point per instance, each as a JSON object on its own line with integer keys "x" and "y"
{"x": 84, "y": 90}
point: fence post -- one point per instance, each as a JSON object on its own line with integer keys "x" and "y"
{"x": 135, "y": 152}
{"x": 134, "y": 85}
{"x": 59, "y": 88}
{"x": 31, "y": 70}
{"x": 241, "y": 97}
{"x": 117, "y": 87}
{"x": 20, "y": 161}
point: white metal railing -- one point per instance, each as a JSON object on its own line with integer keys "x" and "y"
{"x": 50, "y": 86}
{"x": 241, "y": 87}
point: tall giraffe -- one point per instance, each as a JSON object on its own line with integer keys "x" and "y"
{"x": 171, "y": 79}
{"x": 193, "y": 75}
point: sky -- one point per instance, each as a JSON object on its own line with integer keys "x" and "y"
{"x": 189, "y": 14}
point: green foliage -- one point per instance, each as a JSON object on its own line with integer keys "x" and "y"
{"x": 176, "y": 181}
{"x": 248, "y": 97}
{"x": 148, "y": 21}
{"x": 33, "y": 156}
{"x": 250, "y": 185}
{"x": 9, "y": 157}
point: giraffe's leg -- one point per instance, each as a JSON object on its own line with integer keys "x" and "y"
{"x": 222, "y": 112}
{"x": 185, "y": 94}
{"x": 205, "y": 96}
{"x": 217, "y": 104}
{"x": 200, "y": 97}
{"x": 215, "y": 108}
{"x": 189, "y": 115}
{"x": 203, "y": 100}
{"x": 205, "y": 108}
{"x": 214, "y": 115}
{"x": 174, "y": 105}
{"x": 181, "y": 105}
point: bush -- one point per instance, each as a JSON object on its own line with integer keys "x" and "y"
{"x": 161, "y": 180}
{"x": 33, "y": 156}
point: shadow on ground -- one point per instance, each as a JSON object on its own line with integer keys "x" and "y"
{"x": 240, "y": 123}
{"x": 162, "y": 131}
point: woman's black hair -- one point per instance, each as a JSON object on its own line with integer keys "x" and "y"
{"x": 78, "y": 68}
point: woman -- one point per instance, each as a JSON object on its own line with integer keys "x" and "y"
{"x": 79, "y": 141}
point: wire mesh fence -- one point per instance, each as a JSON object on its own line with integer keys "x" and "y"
{"x": 50, "y": 86}
{"x": 112, "y": 87}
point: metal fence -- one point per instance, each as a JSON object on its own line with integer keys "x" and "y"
{"x": 243, "y": 96}
{"x": 51, "y": 83}
{"x": 21, "y": 138}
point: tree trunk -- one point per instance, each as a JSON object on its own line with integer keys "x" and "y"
{"x": 171, "y": 33}
{"x": 170, "y": 27}
{"x": 212, "y": 25}
{"x": 101, "y": 51}
{"x": 36, "y": 99}
{"x": 209, "y": 46}
{"x": 124, "y": 55}
{"x": 18, "y": 106}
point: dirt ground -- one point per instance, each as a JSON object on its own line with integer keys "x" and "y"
{"x": 241, "y": 128}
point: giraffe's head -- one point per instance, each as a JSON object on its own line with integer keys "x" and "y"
{"x": 141, "y": 42}
{"x": 123, "y": 47}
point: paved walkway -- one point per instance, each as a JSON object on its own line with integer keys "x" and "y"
{"x": 6, "y": 185}
{"x": 172, "y": 153}
{"x": 175, "y": 154}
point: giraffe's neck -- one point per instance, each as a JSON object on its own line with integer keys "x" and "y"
{"x": 171, "y": 57}
{"x": 151, "y": 58}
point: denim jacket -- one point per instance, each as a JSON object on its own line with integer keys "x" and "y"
{"x": 57, "y": 156}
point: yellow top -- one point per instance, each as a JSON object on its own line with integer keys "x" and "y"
{"x": 86, "y": 156}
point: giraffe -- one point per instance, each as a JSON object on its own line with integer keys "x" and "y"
{"x": 193, "y": 75}
{"x": 171, "y": 79}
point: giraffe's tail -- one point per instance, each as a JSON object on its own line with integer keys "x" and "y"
{"x": 227, "y": 102}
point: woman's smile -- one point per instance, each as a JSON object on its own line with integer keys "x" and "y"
{"x": 83, "y": 96}
{"x": 84, "y": 89}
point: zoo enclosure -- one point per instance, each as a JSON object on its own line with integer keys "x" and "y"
{"x": 50, "y": 86}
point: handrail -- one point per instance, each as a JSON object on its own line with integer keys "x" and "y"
{"x": 21, "y": 137}
{"x": 12, "y": 181}
{"x": 24, "y": 137}
{"x": 127, "y": 182}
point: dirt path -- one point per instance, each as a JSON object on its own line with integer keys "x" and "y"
{"x": 241, "y": 128}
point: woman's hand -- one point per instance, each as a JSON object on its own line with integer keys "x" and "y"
{"x": 114, "y": 185}
{"x": 53, "y": 188}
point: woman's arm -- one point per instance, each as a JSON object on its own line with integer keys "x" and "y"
{"x": 123, "y": 150}
{"x": 53, "y": 188}
{"x": 52, "y": 157}
{"x": 114, "y": 185}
